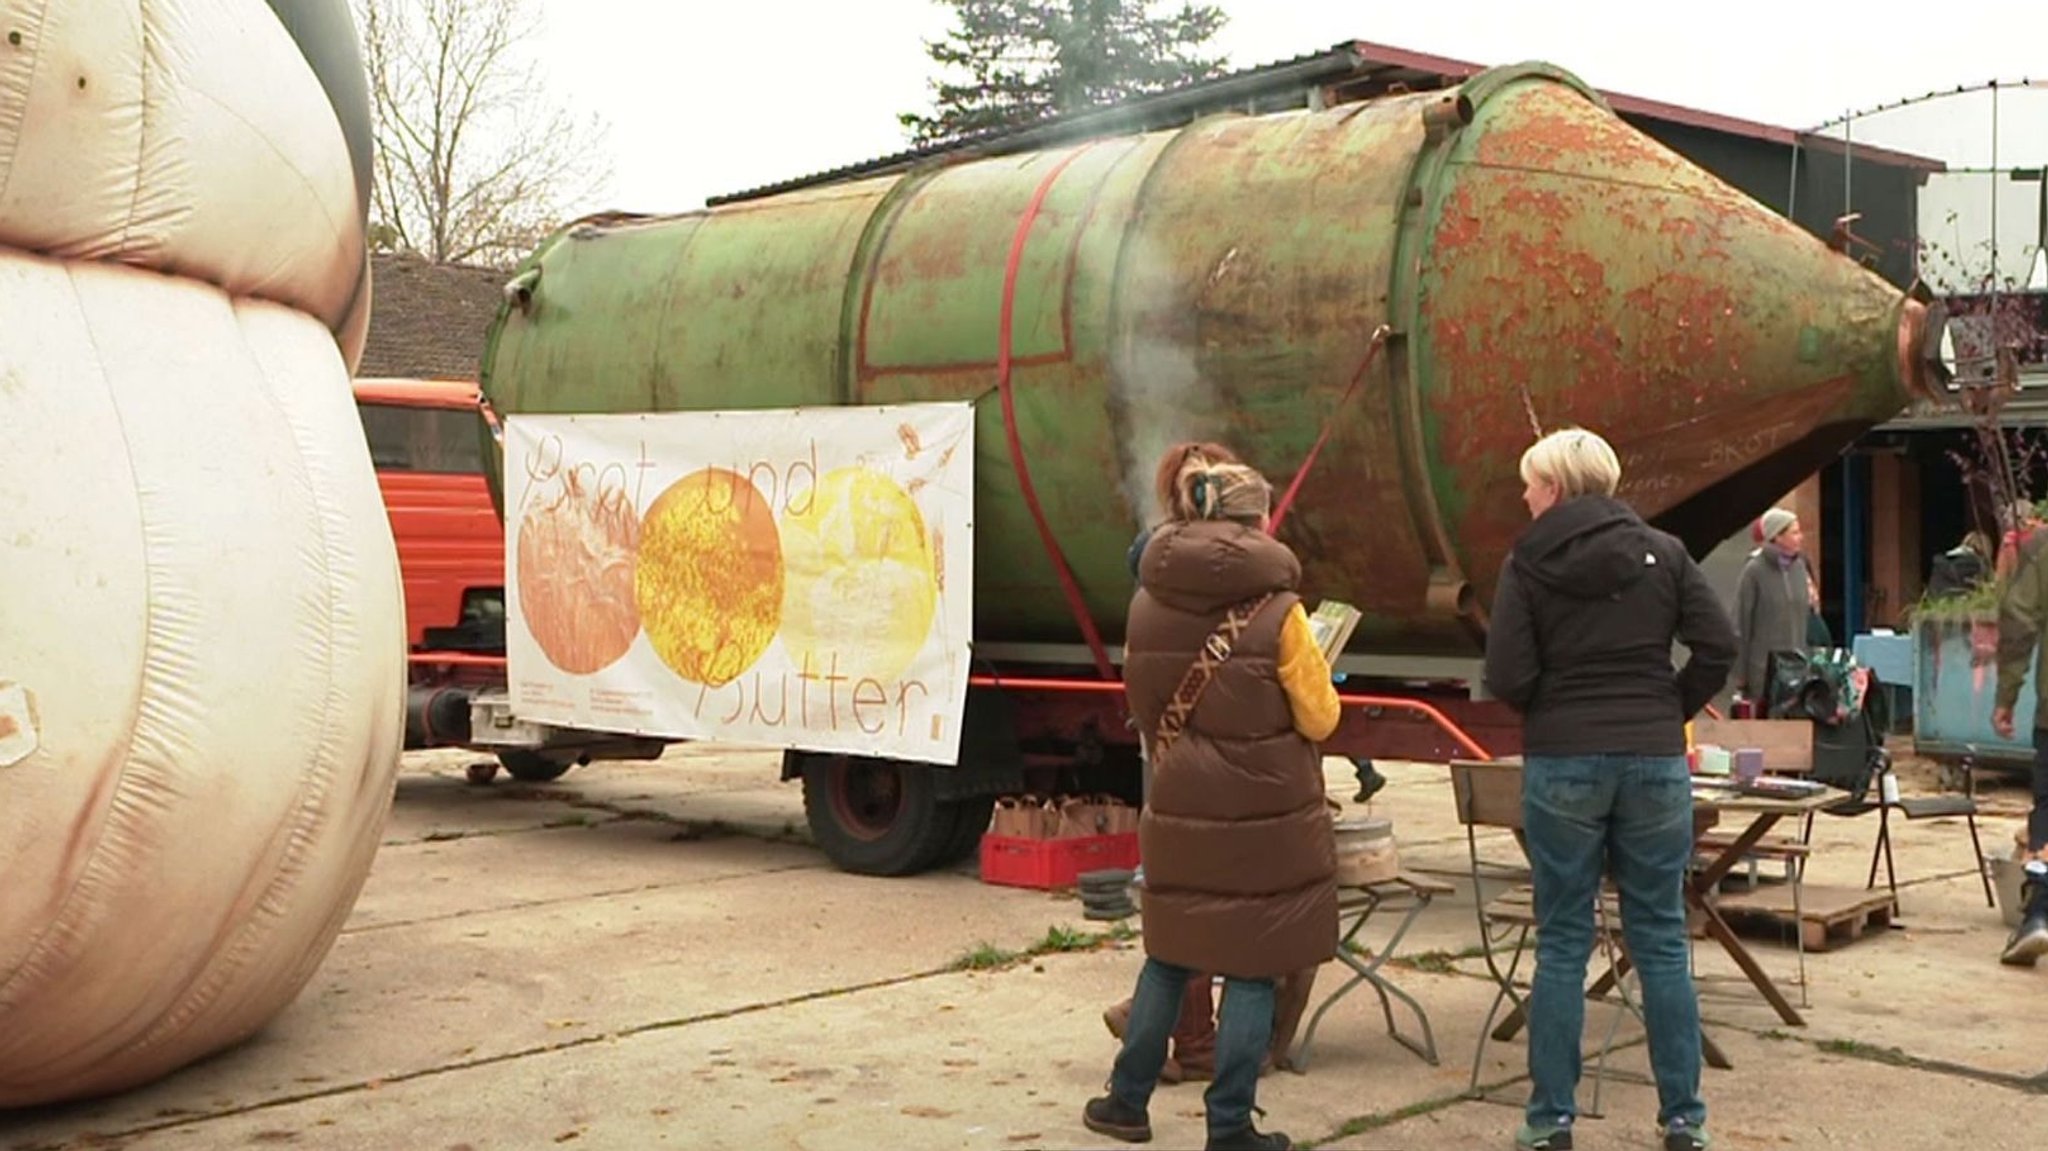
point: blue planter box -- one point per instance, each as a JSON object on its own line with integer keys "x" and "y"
{"x": 1890, "y": 659}
{"x": 1955, "y": 683}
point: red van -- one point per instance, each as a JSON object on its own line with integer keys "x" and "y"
{"x": 426, "y": 444}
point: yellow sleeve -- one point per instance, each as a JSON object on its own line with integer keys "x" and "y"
{"x": 1305, "y": 675}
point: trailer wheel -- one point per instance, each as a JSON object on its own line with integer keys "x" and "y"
{"x": 971, "y": 816}
{"x": 874, "y": 816}
{"x": 532, "y": 766}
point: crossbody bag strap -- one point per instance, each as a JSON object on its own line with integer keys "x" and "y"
{"x": 1215, "y": 650}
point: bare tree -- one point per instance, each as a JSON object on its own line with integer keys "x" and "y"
{"x": 475, "y": 163}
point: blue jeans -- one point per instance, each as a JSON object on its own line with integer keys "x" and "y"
{"x": 1244, "y": 1025}
{"x": 1632, "y": 815}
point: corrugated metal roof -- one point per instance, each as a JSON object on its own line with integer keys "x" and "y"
{"x": 1358, "y": 67}
{"x": 1142, "y": 114}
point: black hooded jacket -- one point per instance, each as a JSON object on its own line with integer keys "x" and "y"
{"x": 1588, "y": 605}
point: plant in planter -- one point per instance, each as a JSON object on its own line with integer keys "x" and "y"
{"x": 1976, "y": 610}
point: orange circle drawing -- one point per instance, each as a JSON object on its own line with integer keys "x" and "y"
{"x": 709, "y": 581}
{"x": 863, "y": 584}
{"x": 575, "y": 573}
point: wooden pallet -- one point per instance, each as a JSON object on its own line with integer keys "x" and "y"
{"x": 1829, "y": 917}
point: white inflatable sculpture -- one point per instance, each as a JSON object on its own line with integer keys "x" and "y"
{"x": 201, "y": 640}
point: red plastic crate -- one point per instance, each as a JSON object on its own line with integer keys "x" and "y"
{"x": 1048, "y": 863}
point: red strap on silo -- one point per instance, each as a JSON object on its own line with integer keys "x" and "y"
{"x": 1379, "y": 339}
{"x": 1075, "y": 603}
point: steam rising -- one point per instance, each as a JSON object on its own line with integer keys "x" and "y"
{"x": 1156, "y": 385}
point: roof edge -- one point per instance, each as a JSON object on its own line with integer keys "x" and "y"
{"x": 1346, "y": 62}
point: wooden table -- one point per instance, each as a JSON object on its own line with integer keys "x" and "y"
{"x": 1764, "y": 812}
{"x": 1710, "y": 803}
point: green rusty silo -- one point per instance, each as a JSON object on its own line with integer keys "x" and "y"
{"x": 1537, "y": 260}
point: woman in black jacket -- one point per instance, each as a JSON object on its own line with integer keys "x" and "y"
{"x": 1588, "y": 605}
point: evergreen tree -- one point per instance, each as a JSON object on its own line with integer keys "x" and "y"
{"x": 1027, "y": 59}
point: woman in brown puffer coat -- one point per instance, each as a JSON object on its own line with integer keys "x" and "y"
{"x": 1240, "y": 857}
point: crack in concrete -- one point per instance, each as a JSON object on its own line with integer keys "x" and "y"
{"x": 1848, "y": 1049}
{"x": 456, "y": 835}
{"x": 196, "y": 1119}
{"x": 791, "y": 831}
{"x": 472, "y": 912}
{"x": 1365, "y": 1124}
{"x": 115, "y": 1138}
{"x": 1888, "y": 1056}
{"x": 705, "y": 828}
{"x": 1898, "y": 1057}
{"x": 694, "y": 828}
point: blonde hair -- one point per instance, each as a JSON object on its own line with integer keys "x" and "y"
{"x": 1575, "y": 461}
{"x": 1208, "y": 491}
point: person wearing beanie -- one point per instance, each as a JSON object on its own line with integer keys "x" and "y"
{"x": 1773, "y": 602}
{"x": 1772, "y": 524}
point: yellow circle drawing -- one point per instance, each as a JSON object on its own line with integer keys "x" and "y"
{"x": 861, "y": 586}
{"x": 709, "y": 581}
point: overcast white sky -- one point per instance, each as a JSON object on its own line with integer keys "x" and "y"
{"x": 711, "y": 96}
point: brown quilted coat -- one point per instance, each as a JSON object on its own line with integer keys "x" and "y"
{"x": 1240, "y": 859}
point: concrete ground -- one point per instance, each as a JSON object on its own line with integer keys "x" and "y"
{"x": 651, "y": 955}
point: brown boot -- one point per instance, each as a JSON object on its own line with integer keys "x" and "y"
{"x": 1194, "y": 1033}
{"x": 1117, "y": 1018}
{"x": 1290, "y": 1003}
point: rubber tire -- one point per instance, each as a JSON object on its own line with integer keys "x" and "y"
{"x": 532, "y": 766}
{"x": 918, "y": 835}
{"x": 972, "y": 817}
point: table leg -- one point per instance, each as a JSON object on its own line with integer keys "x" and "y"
{"x": 1719, "y": 929}
{"x": 1596, "y": 991}
{"x": 1696, "y": 890}
{"x": 1716, "y": 1057}
{"x": 1724, "y": 863}
{"x": 1427, "y": 1048}
{"x": 1368, "y": 972}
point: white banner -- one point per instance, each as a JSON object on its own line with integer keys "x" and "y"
{"x": 790, "y": 578}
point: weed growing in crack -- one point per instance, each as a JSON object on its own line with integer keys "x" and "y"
{"x": 1057, "y": 940}
{"x": 1367, "y": 1123}
{"x": 1439, "y": 962}
{"x": 1065, "y": 939}
{"x": 1854, "y": 1049}
{"x": 987, "y": 957}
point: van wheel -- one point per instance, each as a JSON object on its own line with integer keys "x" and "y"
{"x": 532, "y": 766}
{"x": 876, "y": 816}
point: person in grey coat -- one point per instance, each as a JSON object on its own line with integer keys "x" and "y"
{"x": 1773, "y": 601}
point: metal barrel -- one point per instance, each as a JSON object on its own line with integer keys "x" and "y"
{"x": 1539, "y": 263}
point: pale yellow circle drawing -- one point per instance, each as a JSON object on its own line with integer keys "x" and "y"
{"x": 860, "y": 585}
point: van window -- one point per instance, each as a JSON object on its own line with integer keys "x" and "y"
{"x": 443, "y": 440}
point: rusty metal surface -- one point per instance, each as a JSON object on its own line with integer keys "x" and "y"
{"x": 1223, "y": 281}
{"x": 1581, "y": 273}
